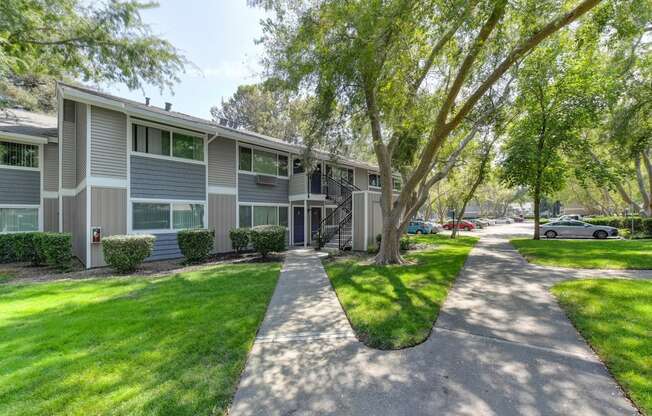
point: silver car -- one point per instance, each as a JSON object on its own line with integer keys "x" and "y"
{"x": 572, "y": 228}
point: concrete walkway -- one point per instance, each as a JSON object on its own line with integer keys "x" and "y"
{"x": 501, "y": 346}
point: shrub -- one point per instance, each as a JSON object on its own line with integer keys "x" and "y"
{"x": 372, "y": 249}
{"x": 21, "y": 247}
{"x": 196, "y": 245}
{"x": 239, "y": 238}
{"x": 404, "y": 243}
{"x": 379, "y": 239}
{"x": 267, "y": 238}
{"x": 56, "y": 249}
{"x": 125, "y": 252}
{"x": 641, "y": 226}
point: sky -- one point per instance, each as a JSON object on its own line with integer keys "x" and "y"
{"x": 217, "y": 36}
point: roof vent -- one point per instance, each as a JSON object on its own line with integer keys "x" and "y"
{"x": 146, "y": 100}
{"x": 168, "y": 106}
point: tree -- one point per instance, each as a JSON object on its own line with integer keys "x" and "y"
{"x": 71, "y": 39}
{"x": 416, "y": 71}
{"x": 264, "y": 110}
{"x": 558, "y": 95}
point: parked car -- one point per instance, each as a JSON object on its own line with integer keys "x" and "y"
{"x": 436, "y": 227}
{"x": 489, "y": 221}
{"x": 482, "y": 222}
{"x": 462, "y": 225}
{"x": 504, "y": 220}
{"x": 419, "y": 227}
{"x": 572, "y": 228}
{"x": 518, "y": 219}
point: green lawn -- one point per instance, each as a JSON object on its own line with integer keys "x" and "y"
{"x": 393, "y": 307}
{"x": 130, "y": 346}
{"x": 5, "y": 277}
{"x": 615, "y": 317}
{"x": 588, "y": 254}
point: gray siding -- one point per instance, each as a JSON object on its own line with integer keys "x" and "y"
{"x": 221, "y": 163}
{"x": 81, "y": 124}
{"x": 51, "y": 167}
{"x": 69, "y": 149}
{"x": 361, "y": 178}
{"x": 374, "y": 217}
{"x": 108, "y": 211}
{"x": 167, "y": 179}
{"x": 165, "y": 247}
{"x": 298, "y": 184}
{"x": 250, "y": 191}
{"x": 359, "y": 221}
{"x": 108, "y": 143}
{"x": 20, "y": 186}
{"x": 221, "y": 218}
{"x": 74, "y": 222}
{"x": 50, "y": 215}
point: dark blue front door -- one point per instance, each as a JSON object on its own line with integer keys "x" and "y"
{"x": 298, "y": 225}
{"x": 315, "y": 181}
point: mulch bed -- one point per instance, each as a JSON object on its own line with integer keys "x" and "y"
{"x": 26, "y": 273}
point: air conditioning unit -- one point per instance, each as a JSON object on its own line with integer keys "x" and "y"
{"x": 265, "y": 180}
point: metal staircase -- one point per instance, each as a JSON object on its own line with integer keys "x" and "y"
{"x": 335, "y": 229}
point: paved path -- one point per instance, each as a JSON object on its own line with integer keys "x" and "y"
{"x": 500, "y": 346}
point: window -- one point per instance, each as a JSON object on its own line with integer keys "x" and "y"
{"x": 151, "y": 140}
{"x": 283, "y": 216}
{"x": 374, "y": 180}
{"x": 187, "y": 147}
{"x": 245, "y": 216}
{"x": 397, "y": 183}
{"x": 297, "y": 166}
{"x": 265, "y": 163}
{"x": 282, "y": 165}
{"x": 265, "y": 215}
{"x": 187, "y": 216}
{"x": 245, "y": 159}
{"x": 337, "y": 172}
{"x": 147, "y": 216}
{"x": 18, "y": 219}
{"x": 19, "y": 154}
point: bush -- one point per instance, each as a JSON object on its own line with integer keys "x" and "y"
{"x": 379, "y": 239}
{"x": 641, "y": 226}
{"x": 56, "y": 249}
{"x": 267, "y": 238}
{"x": 239, "y": 238}
{"x": 21, "y": 247}
{"x": 372, "y": 249}
{"x": 125, "y": 252}
{"x": 196, "y": 245}
{"x": 404, "y": 243}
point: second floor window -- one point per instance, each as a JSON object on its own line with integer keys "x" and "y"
{"x": 18, "y": 154}
{"x": 165, "y": 143}
{"x": 262, "y": 162}
{"x": 374, "y": 180}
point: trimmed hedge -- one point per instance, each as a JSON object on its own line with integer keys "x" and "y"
{"x": 641, "y": 225}
{"x": 268, "y": 238}
{"x": 196, "y": 245}
{"x": 239, "y": 239}
{"x": 56, "y": 249}
{"x": 126, "y": 252}
{"x": 35, "y": 247}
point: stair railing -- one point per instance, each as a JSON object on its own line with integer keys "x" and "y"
{"x": 341, "y": 191}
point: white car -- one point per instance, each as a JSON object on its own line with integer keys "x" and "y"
{"x": 504, "y": 220}
{"x": 436, "y": 228}
{"x": 572, "y": 228}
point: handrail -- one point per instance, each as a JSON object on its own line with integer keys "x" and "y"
{"x": 345, "y": 205}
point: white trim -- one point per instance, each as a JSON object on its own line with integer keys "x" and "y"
{"x": 223, "y": 190}
{"x": 41, "y": 160}
{"x": 74, "y": 191}
{"x": 19, "y": 205}
{"x": 168, "y": 201}
{"x": 88, "y": 237}
{"x": 306, "y": 235}
{"x": 60, "y": 159}
{"x": 103, "y": 182}
{"x": 246, "y": 172}
{"x": 237, "y": 185}
{"x": 353, "y": 219}
{"x": 146, "y": 123}
{"x": 129, "y": 209}
{"x": 311, "y": 197}
{"x": 50, "y": 194}
{"x": 264, "y": 204}
{"x": 163, "y": 157}
{"x": 23, "y": 167}
{"x": 22, "y": 138}
{"x": 206, "y": 207}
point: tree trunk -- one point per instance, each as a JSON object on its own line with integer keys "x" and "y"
{"x": 537, "y": 211}
{"x": 389, "y": 251}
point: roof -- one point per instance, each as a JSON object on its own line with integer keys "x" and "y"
{"x": 204, "y": 125}
{"x": 23, "y": 124}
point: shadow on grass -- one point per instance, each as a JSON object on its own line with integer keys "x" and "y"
{"x": 615, "y": 317}
{"x": 392, "y": 307}
{"x": 174, "y": 345}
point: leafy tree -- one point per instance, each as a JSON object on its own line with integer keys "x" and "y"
{"x": 416, "y": 71}
{"x": 72, "y": 39}
{"x": 558, "y": 95}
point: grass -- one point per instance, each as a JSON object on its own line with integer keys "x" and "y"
{"x": 130, "y": 346}
{"x": 393, "y": 307}
{"x": 5, "y": 277}
{"x": 587, "y": 254}
{"x": 615, "y": 317}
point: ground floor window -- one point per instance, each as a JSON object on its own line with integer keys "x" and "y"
{"x": 253, "y": 215}
{"x": 14, "y": 220}
{"x": 167, "y": 216}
